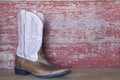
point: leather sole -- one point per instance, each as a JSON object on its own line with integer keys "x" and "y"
{"x": 24, "y": 72}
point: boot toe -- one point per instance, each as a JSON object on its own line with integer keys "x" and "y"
{"x": 54, "y": 74}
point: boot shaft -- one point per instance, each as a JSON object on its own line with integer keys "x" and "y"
{"x": 30, "y": 30}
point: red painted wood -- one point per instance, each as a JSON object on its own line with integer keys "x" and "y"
{"x": 84, "y": 55}
{"x": 76, "y": 34}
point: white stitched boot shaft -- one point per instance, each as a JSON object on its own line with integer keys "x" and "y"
{"x": 30, "y": 31}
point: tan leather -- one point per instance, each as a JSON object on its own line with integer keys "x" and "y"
{"x": 41, "y": 57}
{"x": 40, "y": 67}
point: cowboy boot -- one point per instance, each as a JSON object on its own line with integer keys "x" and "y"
{"x": 29, "y": 56}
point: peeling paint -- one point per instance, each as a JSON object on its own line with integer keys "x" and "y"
{"x": 5, "y": 56}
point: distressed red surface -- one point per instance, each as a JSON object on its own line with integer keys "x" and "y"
{"x": 76, "y": 34}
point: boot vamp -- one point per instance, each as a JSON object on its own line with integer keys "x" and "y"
{"x": 44, "y": 69}
{"x": 37, "y": 68}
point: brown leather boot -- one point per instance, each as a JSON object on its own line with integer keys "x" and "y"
{"x": 41, "y": 68}
{"x": 24, "y": 66}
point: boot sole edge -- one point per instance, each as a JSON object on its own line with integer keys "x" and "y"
{"x": 24, "y": 72}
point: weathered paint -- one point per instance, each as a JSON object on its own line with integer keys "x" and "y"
{"x": 76, "y": 33}
{"x": 97, "y": 55}
{"x": 59, "y": 0}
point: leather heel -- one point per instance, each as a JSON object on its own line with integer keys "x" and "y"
{"x": 21, "y": 72}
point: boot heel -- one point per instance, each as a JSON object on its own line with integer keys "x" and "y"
{"x": 21, "y": 72}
